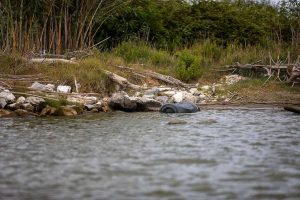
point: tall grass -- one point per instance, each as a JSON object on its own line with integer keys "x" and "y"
{"x": 191, "y": 64}
{"x": 52, "y": 26}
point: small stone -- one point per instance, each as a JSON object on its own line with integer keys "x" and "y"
{"x": 169, "y": 93}
{"x": 163, "y": 89}
{"x": 149, "y": 96}
{"x": 162, "y": 99}
{"x": 188, "y": 97}
{"x": 202, "y": 96}
{"x": 193, "y": 90}
{"x": 28, "y": 107}
{"x": 178, "y": 97}
{"x": 21, "y": 100}
{"x": 177, "y": 121}
{"x": 105, "y": 107}
{"x": 206, "y": 88}
{"x": 79, "y": 109}
{"x": 66, "y": 111}
{"x": 21, "y": 112}
{"x": 94, "y": 110}
{"x": 48, "y": 110}
{"x": 34, "y": 100}
{"x": 13, "y": 106}
{"x": 89, "y": 107}
{"x": 153, "y": 91}
{"x": 2, "y": 102}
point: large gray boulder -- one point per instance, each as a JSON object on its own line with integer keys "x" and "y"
{"x": 37, "y": 102}
{"x": 146, "y": 104}
{"x": 121, "y": 101}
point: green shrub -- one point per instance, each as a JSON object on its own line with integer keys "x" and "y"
{"x": 189, "y": 66}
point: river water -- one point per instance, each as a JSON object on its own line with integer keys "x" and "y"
{"x": 237, "y": 153}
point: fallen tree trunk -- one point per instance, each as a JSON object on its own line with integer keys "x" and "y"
{"x": 51, "y": 60}
{"x": 164, "y": 78}
{"x": 121, "y": 80}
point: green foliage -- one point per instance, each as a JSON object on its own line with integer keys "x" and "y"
{"x": 176, "y": 23}
{"x": 140, "y": 52}
{"x": 189, "y": 66}
{"x": 57, "y": 104}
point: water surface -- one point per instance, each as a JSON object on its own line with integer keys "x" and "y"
{"x": 219, "y": 154}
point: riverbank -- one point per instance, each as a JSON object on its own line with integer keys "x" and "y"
{"x": 103, "y": 83}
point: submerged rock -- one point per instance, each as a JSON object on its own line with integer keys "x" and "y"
{"x": 177, "y": 121}
{"x": 207, "y": 121}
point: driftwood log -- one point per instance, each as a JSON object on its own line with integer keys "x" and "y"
{"x": 51, "y": 60}
{"x": 121, "y": 80}
{"x": 160, "y": 77}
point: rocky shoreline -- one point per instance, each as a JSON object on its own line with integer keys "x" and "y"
{"x": 12, "y": 104}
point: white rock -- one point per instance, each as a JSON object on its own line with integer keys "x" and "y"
{"x": 150, "y": 96}
{"x": 42, "y": 87}
{"x": 202, "y": 96}
{"x": 63, "y": 89}
{"x": 152, "y": 91}
{"x": 178, "y": 97}
{"x": 84, "y": 100}
{"x": 2, "y": 102}
{"x": 188, "y": 97}
{"x": 232, "y": 79}
{"x": 34, "y": 100}
{"x": 193, "y": 90}
{"x": 163, "y": 89}
{"x": 138, "y": 94}
{"x": 162, "y": 99}
{"x": 21, "y": 99}
{"x": 206, "y": 88}
{"x": 169, "y": 93}
{"x": 8, "y": 96}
